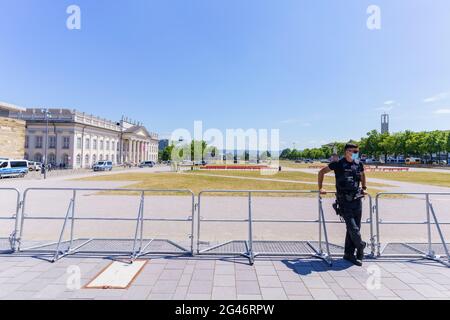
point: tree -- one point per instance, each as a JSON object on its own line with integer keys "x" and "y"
{"x": 198, "y": 150}
{"x": 447, "y": 145}
{"x": 441, "y": 142}
{"x": 166, "y": 154}
{"x": 285, "y": 154}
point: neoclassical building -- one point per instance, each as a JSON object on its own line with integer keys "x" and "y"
{"x": 78, "y": 140}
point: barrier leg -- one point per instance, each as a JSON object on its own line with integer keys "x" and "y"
{"x": 372, "y": 237}
{"x": 441, "y": 236}
{"x": 56, "y": 257}
{"x": 250, "y": 254}
{"x": 322, "y": 255}
{"x": 427, "y": 203}
{"x": 192, "y": 224}
{"x": 139, "y": 226}
{"x": 377, "y": 226}
{"x": 198, "y": 223}
{"x": 73, "y": 218}
{"x": 13, "y": 238}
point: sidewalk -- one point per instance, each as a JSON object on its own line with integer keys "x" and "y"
{"x": 165, "y": 278}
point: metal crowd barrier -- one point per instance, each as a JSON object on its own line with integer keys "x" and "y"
{"x": 368, "y": 221}
{"x": 251, "y": 248}
{"x": 8, "y": 241}
{"x": 136, "y": 245}
{"x": 433, "y": 251}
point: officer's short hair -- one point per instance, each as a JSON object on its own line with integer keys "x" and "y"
{"x": 350, "y": 146}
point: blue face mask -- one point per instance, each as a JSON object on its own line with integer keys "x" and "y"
{"x": 355, "y": 156}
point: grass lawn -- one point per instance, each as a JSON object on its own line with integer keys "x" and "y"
{"x": 284, "y": 175}
{"x": 196, "y": 183}
{"x": 431, "y": 178}
{"x": 440, "y": 179}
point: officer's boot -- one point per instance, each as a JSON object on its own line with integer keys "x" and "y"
{"x": 351, "y": 258}
{"x": 360, "y": 252}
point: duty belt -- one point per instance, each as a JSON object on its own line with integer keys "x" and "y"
{"x": 349, "y": 196}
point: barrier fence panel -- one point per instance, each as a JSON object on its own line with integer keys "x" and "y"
{"x": 247, "y": 246}
{"x": 94, "y": 221}
{"x": 167, "y": 224}
{"x": 9, "y": 218}
{"x": 337, "y": 228}
{"x": 426, "y": 210}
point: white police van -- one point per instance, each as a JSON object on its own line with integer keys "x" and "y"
{"x": 13, "y": 168}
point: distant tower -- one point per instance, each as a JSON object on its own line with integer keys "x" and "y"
{"x": 384, "y": 123}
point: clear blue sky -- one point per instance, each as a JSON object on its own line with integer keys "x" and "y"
{"x": 310, "y": 68}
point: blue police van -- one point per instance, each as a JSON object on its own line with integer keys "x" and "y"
{"x": 13, "y": 168}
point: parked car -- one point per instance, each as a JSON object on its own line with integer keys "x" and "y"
{"x": 13, "y": 168}
{"x": 371, "y": 160}
{"x": 103, "y": 166}
{"x": 146, "y": 164}
{"x": 412, "y": 160}
{"x": 325, "y": 161}
{"x": 202, "y": 163}
{"x": 438, "y": 162}
{"x": 34, "y": 166}
{"x": 309, "y": 161}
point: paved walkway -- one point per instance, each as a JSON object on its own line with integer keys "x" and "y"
{"x": 165, "y": 278}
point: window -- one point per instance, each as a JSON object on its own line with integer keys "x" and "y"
{"x": 38, "y": 157}
{"x": 94, "y": 144}
{"x": 66, "y": 142}
{"x": 78, "y": 159}
{"x": 52, "y": 159}
{"x": 94, "y": 158}
{"x": 26, "y": 156}
{"x": 19, "y": 164}
{"x": 86, "y": 160}
{"x": 27, "y": 140}
{"x": 101, "y": 144}
{"x": 107, "y": 157}
{"x": 107, "y": 145}
{"x": 112, "y": 145}
{"x": 88, "y": 143}
{"x": 79, "y": 143}
{"x": 52, "y": 142}
{"x": 101, "y": 157}
{"x": 65, "y": 159}
{"x": 38, "y": 142}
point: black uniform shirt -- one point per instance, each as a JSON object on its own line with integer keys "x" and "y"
{"x": 348, "y": 175}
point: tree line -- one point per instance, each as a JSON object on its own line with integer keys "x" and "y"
{"x": 377, "y": 145}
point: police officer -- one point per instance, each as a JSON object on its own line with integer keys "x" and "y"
{"x": 349, "y": 173}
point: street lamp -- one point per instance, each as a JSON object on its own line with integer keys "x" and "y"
{"x": 47, "y": 115}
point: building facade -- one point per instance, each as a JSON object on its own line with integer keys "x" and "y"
{"x": 79, "y": 140}
{"x": 12, "y": 133}
{"x": 164, "y": 143}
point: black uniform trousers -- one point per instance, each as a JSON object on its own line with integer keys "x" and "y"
{"x": 352, "y": 213}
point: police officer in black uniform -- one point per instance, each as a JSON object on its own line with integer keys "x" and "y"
{"x": 349, "y": 172}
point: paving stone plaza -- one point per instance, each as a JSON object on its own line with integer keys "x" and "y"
{"x": 166, "y": 278}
